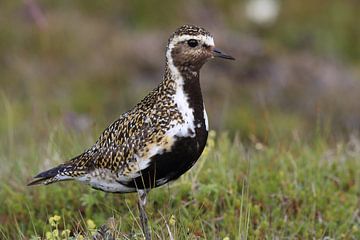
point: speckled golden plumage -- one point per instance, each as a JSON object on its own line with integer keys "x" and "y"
{"x": 134, "y": 133}
{"x": 161, "y": 137}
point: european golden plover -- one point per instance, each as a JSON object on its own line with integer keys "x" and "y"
{"x": 160, "y": 138}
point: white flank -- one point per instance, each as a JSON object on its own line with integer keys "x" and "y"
{"x": 206, "y": 120}
{"x": 105, "y": 180}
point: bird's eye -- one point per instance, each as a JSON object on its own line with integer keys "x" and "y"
{"x": 192, "y": 43}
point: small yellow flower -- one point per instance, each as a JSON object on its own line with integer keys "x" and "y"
{"x": 79, "y": 237}
{"x": 226, "y": 238}
{"x": 54, "y": 220}
{"x": 55, "y": 233}
{"x": 57, "y": 218}
{"x": 90, "y": 224}
{"x": 65, "y": 233}
{"x": 172, "y": 220}
{"x": 49, "y": 235}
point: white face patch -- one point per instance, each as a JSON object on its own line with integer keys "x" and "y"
{"x": 204, "y": 39}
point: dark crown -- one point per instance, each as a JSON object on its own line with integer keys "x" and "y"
{"x": 191, "y": 30}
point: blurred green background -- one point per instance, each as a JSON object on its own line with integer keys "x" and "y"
{"x": 71, "y": 67}
{"x": 83, "y": 63}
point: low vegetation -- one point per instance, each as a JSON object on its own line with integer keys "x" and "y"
{"x": 291, "y": 189}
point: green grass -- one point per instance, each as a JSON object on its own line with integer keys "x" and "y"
{"x": 287, "y": 189}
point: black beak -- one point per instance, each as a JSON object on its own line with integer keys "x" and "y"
{"x": 218, "y": 53}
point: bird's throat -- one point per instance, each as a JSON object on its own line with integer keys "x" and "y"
{"x": 187, "y": 81}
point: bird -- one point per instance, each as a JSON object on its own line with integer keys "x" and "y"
{"x": 160, "y": 138}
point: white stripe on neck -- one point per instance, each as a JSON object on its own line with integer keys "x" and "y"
{"x": 181, "y": 100}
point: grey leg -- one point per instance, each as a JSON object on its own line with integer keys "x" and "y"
{"x": 143, "y": 217}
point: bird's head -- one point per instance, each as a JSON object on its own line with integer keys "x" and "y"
{"x": 190, "y": 47}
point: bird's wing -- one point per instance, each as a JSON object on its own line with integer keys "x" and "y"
{"x": 125, "y": 147}
{"x": 121, "y": 160}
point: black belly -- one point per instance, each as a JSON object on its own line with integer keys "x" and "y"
{"x": 170, "y": 165}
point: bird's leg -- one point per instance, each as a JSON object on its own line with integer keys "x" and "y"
{"x": 143, "y": 217}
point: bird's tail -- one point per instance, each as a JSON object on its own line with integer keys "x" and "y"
{"x": 52, "y": 175}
